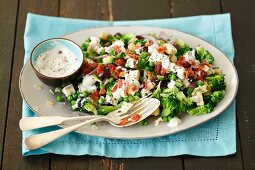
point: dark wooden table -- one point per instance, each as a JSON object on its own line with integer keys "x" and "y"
{"x": 12, "y": 22}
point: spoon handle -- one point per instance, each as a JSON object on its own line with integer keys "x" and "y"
{"x": 31, "y": 123}
{"x": 37, "y": 141}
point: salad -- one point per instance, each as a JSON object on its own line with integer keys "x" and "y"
{"x": 123, "y": 68}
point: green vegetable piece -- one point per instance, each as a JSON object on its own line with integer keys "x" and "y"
{"x": 101, "y": 100}
{"x": 110, "y": 80}
{"x": 201, "y": 110}
{"x": 88, "y": 40}
{"x": 125, "y": 99}
{"x": 144, "y": 55}
{"x": 217, "y": 96}
{"x": 60, "y": 98}
{"x": 112, "y": 52}
{"x": 75, "y": 96}
{"x": 147, "y": 68}
{"x": 178, "y": 84}
{"x": 157, "y": 92}
{"x": 169, "y": 106}
{"x": 90, "y": 107}
{"x": 200, "y": 53}
{"x": 102, "y": 52}
{"x": 151, "y": 64}
{"x": 136, "y": 98}
{"x": 143, "y": 63}
{"x": 85, "y": 94}
{"x": 165, "y": 119}
{"x": 73, "y": 102}
{"x": 200, "y": 83}
{"x": 160, "y": 78}
{"x": 190, "y": 90}
{"x": 138, "y": 93}
{"x": 104, "y": 110}
{"x": 84, "y": 46}
{"x": 145, "y": 123}
{"x": 69, "y": 98}
{"x": 131, "y": 98}
{"x": 141, "y": 122}
{"x": 216, "y": 82}
{"x": 209, "y": 58}
{"x": 172, "y": 76}
{"x": 108, "y": 60}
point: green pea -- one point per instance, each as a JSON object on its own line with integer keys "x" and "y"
{"x": 101, "y": 100}
{"x": 60, "y": 98}
{"x": 138, "y": 94}
{"x": 125, "y": 99}
{"x": 190, "y": 90}
{"x": 109, "y": 93}
{"x": 102, "y": 86}
{"x": 141, "y": 122}
{"x": 136, "y": 98}
{"x": 200, "y": 83}
{"x": 131, "y": 98}
{"x": 69, "y": 98}
{"x": 73, "y": 102}
{"x": 178, "y": 84}
{"x": 165, "y": 119}
{"x": 112, "y": 52}
{"x": 151, "y": 64}
{"x": 172, "y": 76}
{"x": 110, "y": 80}
{"x": 147, "y": 68}
{"x": 145, "y": 123}
{"x": 75, "y": 96}
{"x": 85, "y": 94}
{"x": 102, "y": 52}
{"x": 160, "y": 78}
{"x": 119, "y": 55}
{"x": 120, "y": 99}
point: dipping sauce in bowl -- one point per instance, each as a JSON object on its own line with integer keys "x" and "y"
{"x": 56, "y": 61}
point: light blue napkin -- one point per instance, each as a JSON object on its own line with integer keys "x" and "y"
{"x": 214, "y": 138}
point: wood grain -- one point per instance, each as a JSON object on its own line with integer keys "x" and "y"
{"x": 12, "y": 147}
{"x": 243, "y": 24}
{"x": 82, "y": 9}
{"x": 135, "y": 9}
{"x": 203, "y": 7}
{"x": 8, "y": 14}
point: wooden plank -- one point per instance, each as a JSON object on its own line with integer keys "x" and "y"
{"x": 194, "y": 7}
{"x": 202, "y": 7}
{"x": 8, "y": 14}
{"x": 148, "y": 163}
{"x": 83, "y": 9}
{"x": 243, "y": 24}
{"x": 135, "y": 10}
{"x": 12, "y": 158}
{"x": 129, "y": 10}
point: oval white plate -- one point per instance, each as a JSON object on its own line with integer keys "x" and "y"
{"x": 37, "y": 99}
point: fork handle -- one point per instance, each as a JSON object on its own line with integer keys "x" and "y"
{"x": 37, "y": 141}
{"x": 30, "y": 123}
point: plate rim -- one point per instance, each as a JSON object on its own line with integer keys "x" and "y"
{"x": 148, "y": 136}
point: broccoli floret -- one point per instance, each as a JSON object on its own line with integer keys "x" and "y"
{"x": 142, "y": 63}
{"x": 201, "y": 110}
{"x": 169, "y": 106}
{"x": 185, "y": 103}
{"x": 157, "y": 92}
{"x": 217, "y": 96}
{"x": 216, "y": 82}
{"x": 90, "y": 107}
{"x": 182, "y": 50}
{"x": 202, "y": 54}
{"x": 104, "y": 110}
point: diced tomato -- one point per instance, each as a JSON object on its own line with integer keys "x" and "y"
{"x": 112, "y": 68}
{"x": 100, "y": 69}
{"x": 119, "y": 62}
{"x": 163, "y": 72}
{"x": 115, "y": 87}
{"x": 134, "y": 56}
{"x": 161, "y": 49}
{"x": 117, "y": 48}
{"x": 123, "y": 121}
{"x": 201, "y": 76}
{"x": 134, "y": 87}
{"x": 102, "y": 91}
{"x": 116, "y": 74}
{"x": 135, "y": 117}
{"x": 148, "y": 43}
{"x": 94, "y": 95}
{"x": 95, "y": 64}
{"x": 158, "y": 67}
{"x": 86, "y": 68}
{"x": 120, "y": 83}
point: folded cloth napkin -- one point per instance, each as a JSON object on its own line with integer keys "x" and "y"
{"x": 214, "y": 138}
